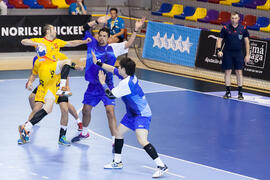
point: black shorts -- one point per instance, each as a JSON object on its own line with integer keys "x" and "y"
{"x": 60, "y": 98}
{"x": 233, "y": 60}
{"x": 120, "y": 39}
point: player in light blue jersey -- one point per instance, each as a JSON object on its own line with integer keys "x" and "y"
{"x": 106, "y": 53}
{"x": 138, "y": 115}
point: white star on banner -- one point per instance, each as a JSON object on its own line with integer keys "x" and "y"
{"x": 171, "y": 43}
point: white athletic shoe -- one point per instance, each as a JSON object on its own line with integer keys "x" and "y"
{"x": 114, "y": 165}
{"x": 160, "y": 171}
{"x": 63, "y": 92}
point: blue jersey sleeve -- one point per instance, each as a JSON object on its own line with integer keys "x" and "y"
{"x": 121, "y": 23}
{"x": 72, "y": 8}
{"x": 116, "y": 72}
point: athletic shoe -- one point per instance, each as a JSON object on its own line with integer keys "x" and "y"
{"x": 80, "y": 126}
{"x": 63, "y": 92}
{"x": 114, "y": 165}
{"x": 240, "y": 96}
{"x": 20, "y": 141}
{"x": 63, "y": 141}
{"x": 160, "y": 171}
{"x": 24, "y": 135}
{"x": 227, "y": 95}
{"x": 80, "y": 137}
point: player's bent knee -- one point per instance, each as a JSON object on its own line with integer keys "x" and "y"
{"x": 86, "y": 110}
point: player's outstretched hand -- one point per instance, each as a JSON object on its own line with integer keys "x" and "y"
{"x": 103, "y": 19}
{"x": 102, "y": 77}
{"x": 79, "y": 68}
{"x": 29, "y": 86}
{"x": 94, "y": 57}
{"x": 139, "y": 23}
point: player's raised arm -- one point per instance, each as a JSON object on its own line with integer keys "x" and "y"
{"x": 75, "y": 43}
{"x": 138, "y": 26}
{"x": 102, "y": 65}
{"x": 29, "y": 42}
{"x": 100, "y": 20}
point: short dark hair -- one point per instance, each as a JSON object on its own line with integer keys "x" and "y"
{"x": 235, "y": 13}
{"x": 104, "y": 29}
{"x": 129, "y": 65}
{"x": 114, "y": 9}
{"x": 45, "y": 28}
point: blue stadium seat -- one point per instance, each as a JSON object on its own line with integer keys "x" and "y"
{"x": 33, "y": 4}
{"x": 242, "y": 3}
{"x": 188, "y": 11}
{"x": 164, "y": 8}
{"x": 261, "y": 22}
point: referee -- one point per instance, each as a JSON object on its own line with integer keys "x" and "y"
{"x": 233, "y": 34}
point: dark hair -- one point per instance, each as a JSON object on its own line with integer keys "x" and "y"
{"x": 45, "y": 28}
{"x": 235, "y": 13}
{"x": 129, "y": 65}
{"x": 104, "y": 29}
{"x": 114, "y": 9}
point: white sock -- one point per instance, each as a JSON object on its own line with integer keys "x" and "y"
{"x": 159, "y": 162}
{"x": 63, "y": 83}
{"x": 64, "y": 127}
{"x": 28, "y": 126}
{"x": 84, "y": 131}
{"x": 117, "y": 158}
{"x": 113, "y": 139}
{"x": 79, "y": 120}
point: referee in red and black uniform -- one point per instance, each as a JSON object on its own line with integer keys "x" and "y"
{"x": 234, "y": 36}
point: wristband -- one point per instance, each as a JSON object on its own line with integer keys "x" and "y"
{"x": 73, "y": 65}
{"x": 99, "y": 63}
{"x": 105, "y": 86}
{"x": 96, "y": 21}
{"x": 136, "y": 31}
{"x": 86, "y": 27}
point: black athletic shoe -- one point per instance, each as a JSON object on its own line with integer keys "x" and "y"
{"x": 240, "y": 96}
{"x": 227, "y": 95}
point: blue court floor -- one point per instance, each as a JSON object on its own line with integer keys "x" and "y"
{"x": 200, "y": 136}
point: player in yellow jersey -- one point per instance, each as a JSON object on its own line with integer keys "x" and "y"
{"x": 48, "y": 69}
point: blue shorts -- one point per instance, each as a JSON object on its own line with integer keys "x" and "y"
{"x": 136, "y": 122}
{"x": 94, "y": 94}
{"x": 232, "y": 60}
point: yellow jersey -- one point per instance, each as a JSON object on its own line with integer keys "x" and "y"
{"x": 53, "y": 47}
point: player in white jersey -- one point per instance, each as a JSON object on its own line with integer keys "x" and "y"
{"x": 138, "y": 115}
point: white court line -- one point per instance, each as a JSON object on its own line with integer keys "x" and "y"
{"x": 177, "y": 159}
{"x": 33, "y": 174}
{"x": 44, "y": 177}
{"x": 173, "y": 174}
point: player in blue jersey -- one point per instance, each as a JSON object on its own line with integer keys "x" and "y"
{"x": 106, "y": 53}
{"x": 138, "y": 115}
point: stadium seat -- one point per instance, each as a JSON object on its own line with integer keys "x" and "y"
{"x": 266, "y": 6}
{"x": 261, "y": 22}
{"x": 32, "y": 4}
{"x": 46, "y": 4}
{"x": 203, "y": 0}
{"x": 255, "y": 3}
{"x": 265, "y": 29}
{"x": 223, "y": 18}
{"x": 242, "y": 3}
{"x": 211, "y": 15}
{"x": 70, "y": 1}
{"x": 60, "y": 3}
{"x": 8, "y": 5}
{"x": 188, "y": 11}
{"x": 229, "y": 2}
{"x": 164, "y": 8}
{"x": 18, "y": 4}
{"x": 249, "y": 20}
{"x": 199, "y": 14}
{"x": 214, "y": 1}
{"x": 177, "y": 9}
